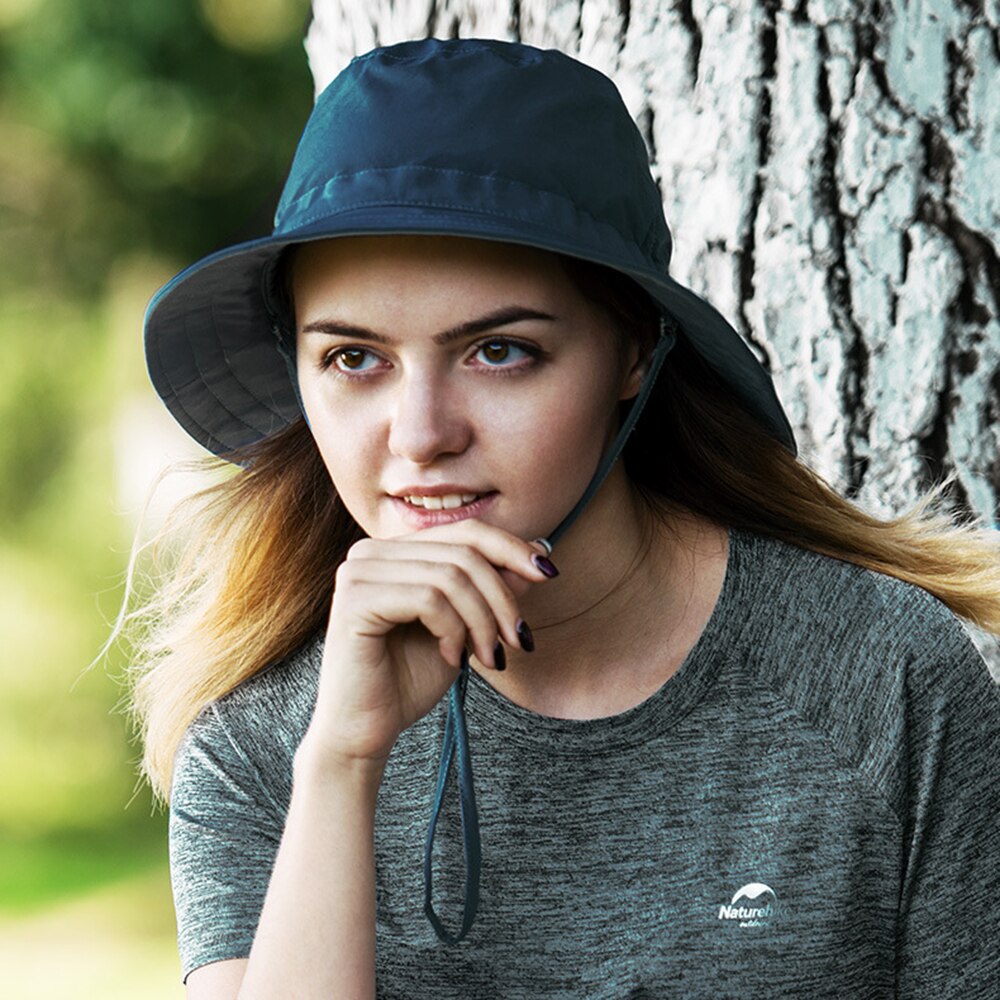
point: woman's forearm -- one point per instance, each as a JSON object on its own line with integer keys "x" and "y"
{"x": 316, "y": 935}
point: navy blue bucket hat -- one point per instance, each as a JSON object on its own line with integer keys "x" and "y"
{"x": 465, "y": 137}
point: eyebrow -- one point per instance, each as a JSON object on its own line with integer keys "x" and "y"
{"x": 500, "y": 317}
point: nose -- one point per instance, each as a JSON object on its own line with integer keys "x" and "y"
{"x": 428, "y": 420}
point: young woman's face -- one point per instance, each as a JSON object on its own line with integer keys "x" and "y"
{"x": 446, "y": 378}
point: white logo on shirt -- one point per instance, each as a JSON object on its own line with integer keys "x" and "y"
{"x": 752, "y": 905}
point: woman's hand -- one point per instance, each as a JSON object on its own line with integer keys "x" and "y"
{"x": 403, "y": 611}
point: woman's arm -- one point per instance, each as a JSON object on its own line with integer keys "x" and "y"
{"x": 217, "y": 981}
{"x": 316, "y": 936}
{"x": 403, "y": 610}
{"x": 317, "y": 873}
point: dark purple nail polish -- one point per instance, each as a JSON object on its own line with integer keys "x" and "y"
{"x": 545, "y": 565}
{"x": 524, "y": 635}
{"x": 499, "y": 656}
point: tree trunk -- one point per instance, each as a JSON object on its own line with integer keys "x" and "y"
{"x": 829, "y": 171}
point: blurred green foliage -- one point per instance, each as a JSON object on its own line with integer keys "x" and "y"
{"x": 134, "y": 138}
{"x": 132, "y": 126}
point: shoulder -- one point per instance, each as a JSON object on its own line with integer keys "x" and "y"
{"x": 820, "y": 607}
{"x": 878, "y": 669}
{"x": 229, "y": 799}
{"x": 249, "y": 736}
{"x": 278, "y": 699}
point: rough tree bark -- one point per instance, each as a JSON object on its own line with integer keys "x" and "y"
{"x": 829, "y": 169}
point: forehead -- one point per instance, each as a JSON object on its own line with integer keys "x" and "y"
{"x": 373, "y": 269}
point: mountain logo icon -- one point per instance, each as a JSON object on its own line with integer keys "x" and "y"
{"x": 752, "y": 905}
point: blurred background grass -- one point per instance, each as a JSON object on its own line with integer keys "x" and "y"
{"x": 133, "y": 138}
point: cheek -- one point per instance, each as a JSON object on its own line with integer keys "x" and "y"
{"x": 347, "y": 447}
{"x": 560, "y": 434}
{"x": 571, "y": 437}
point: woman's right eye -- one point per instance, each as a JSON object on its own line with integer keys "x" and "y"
{"x": 347, "y": 359}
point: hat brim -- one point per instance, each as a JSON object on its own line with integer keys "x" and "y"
{"x": 213, "y": 356}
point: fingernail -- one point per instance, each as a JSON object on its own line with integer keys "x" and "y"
{"x": 499, "y": 656}
{"x": 524, "y": 636}
{"x": 545, "y": 565}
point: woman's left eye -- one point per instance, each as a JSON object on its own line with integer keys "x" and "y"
{"x": 504, "y": 353}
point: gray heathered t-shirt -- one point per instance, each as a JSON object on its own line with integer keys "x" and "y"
{"x": 808, "y": 807}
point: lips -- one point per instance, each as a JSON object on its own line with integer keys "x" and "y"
{"x": 423, "y": 511}
{"x": 446, "y": 501}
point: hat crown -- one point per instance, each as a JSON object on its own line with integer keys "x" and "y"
{"x": 397, "y": 119}
{"x": 468, "y": 138}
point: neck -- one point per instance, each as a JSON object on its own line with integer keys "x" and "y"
{"x": 634, "y": 591}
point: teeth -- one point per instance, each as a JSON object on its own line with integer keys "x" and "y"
{"x": 447, "y": 502}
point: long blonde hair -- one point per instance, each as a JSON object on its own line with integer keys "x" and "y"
{"x": 251, "y": 579}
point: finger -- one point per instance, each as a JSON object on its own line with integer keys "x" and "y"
{"x": 453, "y": 581}
{"x": 500, "y": 547}
{"x": 376, "y": 607}
{"x": 497, "y": 585}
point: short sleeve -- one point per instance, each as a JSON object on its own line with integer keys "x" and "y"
{"x": 224, "y": 833}
{"x": 951, "y": 879}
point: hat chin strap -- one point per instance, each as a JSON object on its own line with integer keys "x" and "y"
{"x": 664, "y": 345}
{"x": 286, "y": 348}
{"x": 455, "y": 733}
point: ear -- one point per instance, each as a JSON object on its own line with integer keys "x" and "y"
{"x": 635, "y": 371}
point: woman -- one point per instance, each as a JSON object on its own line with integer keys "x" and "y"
{"x": 737, "y": 739}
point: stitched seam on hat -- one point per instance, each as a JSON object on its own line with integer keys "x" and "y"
{"x": 232, "y": 371}
{"x": 493, "y": 179}
{"x": 195, "y": 422}
{"x": 499, "y": 216}
{"x": 314, "y": 216}
{"x": 649, "y": 242}
{"x": 194, "y": 426}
